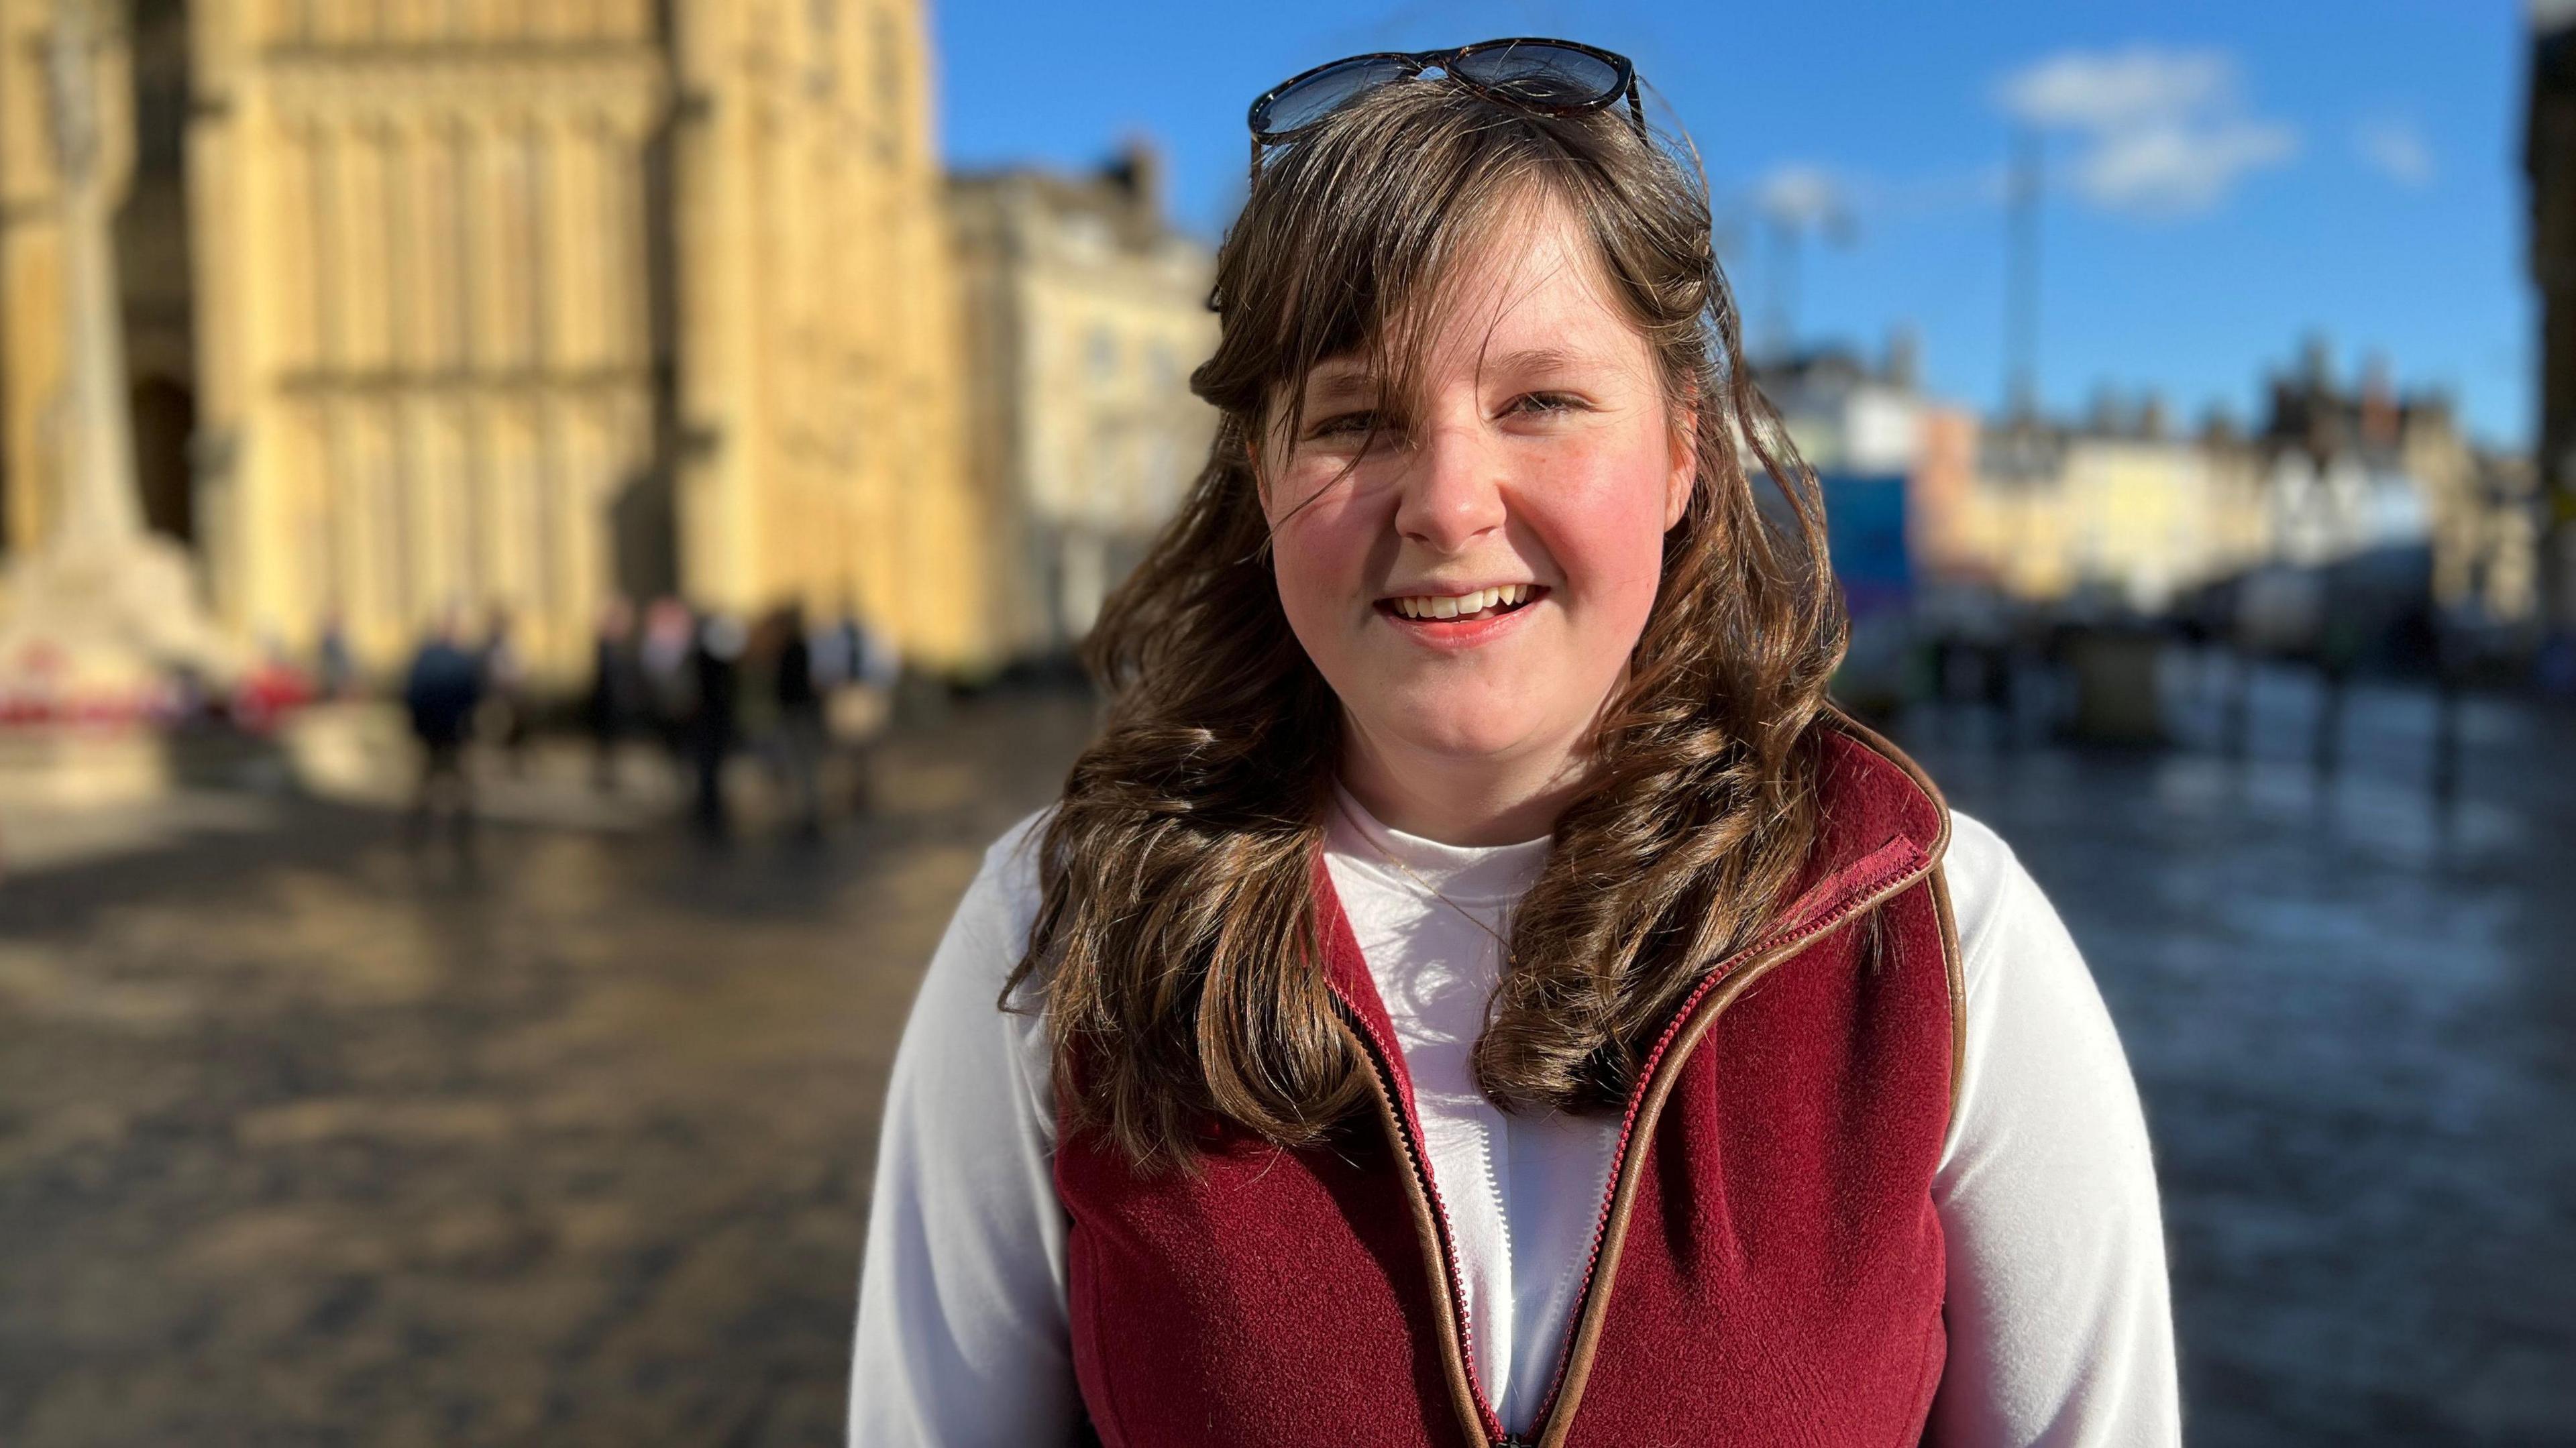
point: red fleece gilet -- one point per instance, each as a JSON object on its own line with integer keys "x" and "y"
{"x": 1768, "y": 1267}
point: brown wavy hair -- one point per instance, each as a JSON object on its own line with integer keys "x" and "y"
{"x": 1176, "y": 950}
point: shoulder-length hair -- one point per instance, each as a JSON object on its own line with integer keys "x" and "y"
{"x": 1177, "y": 946}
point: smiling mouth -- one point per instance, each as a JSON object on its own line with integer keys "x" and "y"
{"x": 1462, "y": 608}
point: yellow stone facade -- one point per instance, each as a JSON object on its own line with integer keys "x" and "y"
{"x": 1085, "y": 312}
{"x": 519, "y": 304}
{"x": 2144, "y": 517}
{"x": 819, "y": 373}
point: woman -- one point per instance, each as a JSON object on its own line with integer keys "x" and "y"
{"x": 1477, "y": 989}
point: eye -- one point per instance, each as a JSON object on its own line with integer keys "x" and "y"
{"x": 1348, "y": 424}
{"x": 1543, "y": 404}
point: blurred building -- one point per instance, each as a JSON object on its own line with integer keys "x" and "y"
{"x": 2121, "y": 507}
{"x": 1863, "y": 429}
{"x": 2113, "y": 504}
{"x": 1944, "y": 489}
{"x": 1085, "y": 312}
{"x": 2358, "y": 469}
{"x": 2117, "y": 508}
{"x": 1846, "y": 415}
{"x": 514, "y": 304}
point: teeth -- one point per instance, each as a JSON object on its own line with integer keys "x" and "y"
{"x": 1428, "y": 606}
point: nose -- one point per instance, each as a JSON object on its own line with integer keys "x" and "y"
{"x": 1452, "y": 489}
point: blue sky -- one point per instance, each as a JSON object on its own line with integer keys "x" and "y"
{"x": 2223, "y": 179}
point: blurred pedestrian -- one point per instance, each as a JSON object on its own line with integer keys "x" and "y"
{"x": 796, "y": 735}
{"x": 617, "y": 703}
{"x": 505, "y": 702}
{"x": 441, "y": 692}
{"x": 664, "y": 656}
{"x": 335, "y": 669}
{"x": 715, "y": 662}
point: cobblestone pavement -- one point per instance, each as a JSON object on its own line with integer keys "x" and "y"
{"x": 307, "y": 1138}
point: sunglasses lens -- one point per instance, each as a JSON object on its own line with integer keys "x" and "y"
{"x": 1326, "y": 91}
{"x": 1541, "y": 75}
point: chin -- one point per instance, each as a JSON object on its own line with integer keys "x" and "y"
{"x": 1466, "y": 732}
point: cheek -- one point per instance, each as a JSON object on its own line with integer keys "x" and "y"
{"x": 1318, "y": 554}
{"x": 1605, "y": 528}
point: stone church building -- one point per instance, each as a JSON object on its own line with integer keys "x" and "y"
{"x": 513, "y": 305}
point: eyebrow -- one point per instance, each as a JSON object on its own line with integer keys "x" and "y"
{"x": 1335, "y": 382}
{"x": 1332, "y": 382}
{"x": 1535, "y": 359}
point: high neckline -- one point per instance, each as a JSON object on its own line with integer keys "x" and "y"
{"x": 1481, "y": 874}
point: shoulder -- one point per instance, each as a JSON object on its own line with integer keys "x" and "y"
{"x": 2035, "y": 1017}
{"x": 986, "y": 937}
{"x": 1011, "y": 861}
{"x": 1001, "y": 902}
{"x": 1986, "y": 880}
{"x": 961, "y": 1046}
{"x": 2019, "y": 964}
{"x": 2008, "y": 929}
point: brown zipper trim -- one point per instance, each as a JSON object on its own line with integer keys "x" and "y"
{"x": 1957, "y": 970}
{"x": 1480, "y": 1423}
{"x": 1951, "y": 960}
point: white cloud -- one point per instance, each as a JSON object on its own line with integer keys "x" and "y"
{"x": 2095, "y": 90}
{"x": 2396, "y": 149}
{"x": 1800, "y": 195}
{"x": 2179, "y": 170}
{"x": 2160, "y": 132}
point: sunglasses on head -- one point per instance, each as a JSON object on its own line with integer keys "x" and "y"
{"x": 1550, "y": 77}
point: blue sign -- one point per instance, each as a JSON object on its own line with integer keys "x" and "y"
{"x": 1865, "y": 528}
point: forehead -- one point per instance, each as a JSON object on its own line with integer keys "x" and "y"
{"x": 1531, "y": 289}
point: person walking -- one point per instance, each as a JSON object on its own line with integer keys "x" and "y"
{"x": 505, "y": 695}
{"x": 796, "y": 728}
{"x": 442, "y": 690}
{"x": 1478, "y": 988}
{"x": 617, "y": 702}
{"x": 856, "y": 668}
{"x": 715, "y": 661}
{"x": 664, "y": 654}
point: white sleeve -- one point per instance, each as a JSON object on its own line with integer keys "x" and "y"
{"x": 962, "y": 1331}
{"x": 2060, "y": 1322}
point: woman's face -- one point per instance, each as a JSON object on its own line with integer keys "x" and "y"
{"x": 1545, "y": 464}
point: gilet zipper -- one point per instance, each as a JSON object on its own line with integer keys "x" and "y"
{"x": 1482, "y": 1424}
{"x": 1722, "y": 985}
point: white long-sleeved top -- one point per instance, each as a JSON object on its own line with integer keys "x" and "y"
{"x": 2059, "y": 1324}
